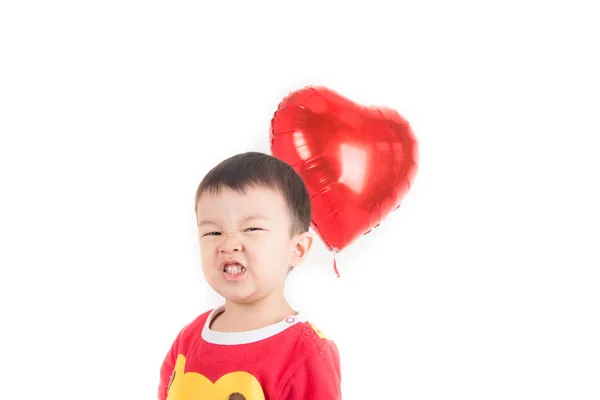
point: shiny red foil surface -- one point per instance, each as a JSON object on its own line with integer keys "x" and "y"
{"x": 358, "y": 162}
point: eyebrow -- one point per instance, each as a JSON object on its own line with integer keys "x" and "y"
{"x": 249, "y": 218}
{"x": 204, "y": 222}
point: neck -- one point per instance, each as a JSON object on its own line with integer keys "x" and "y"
{"x": 239, "y": 317}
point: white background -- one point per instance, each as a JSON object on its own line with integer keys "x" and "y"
{"x": 483, "y": 285}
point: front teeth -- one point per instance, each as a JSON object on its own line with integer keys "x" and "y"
{"x": 234, "y": 269}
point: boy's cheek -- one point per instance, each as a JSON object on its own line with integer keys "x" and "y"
{"x": 206, "y": 248}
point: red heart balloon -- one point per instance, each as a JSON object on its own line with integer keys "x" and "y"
{"x": 358, "y": 162}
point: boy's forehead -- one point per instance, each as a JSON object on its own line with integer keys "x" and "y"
{"x": 247, "y": 192}
{"x": 250, "y": 201}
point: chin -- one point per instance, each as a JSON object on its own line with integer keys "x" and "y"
{"x": 240, "y": 297}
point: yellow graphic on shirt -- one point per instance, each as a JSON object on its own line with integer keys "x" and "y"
{"x": 237, "y": 385}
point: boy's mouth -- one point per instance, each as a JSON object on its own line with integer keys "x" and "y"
{"x": 233, "y": 269}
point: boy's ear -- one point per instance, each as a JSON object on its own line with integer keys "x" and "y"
{"x": 301, "y": 244}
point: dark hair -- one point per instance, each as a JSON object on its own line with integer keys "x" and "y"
{"x": 254, "y": 169}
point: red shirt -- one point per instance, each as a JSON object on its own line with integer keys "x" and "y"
{"x": 290, "y": 360}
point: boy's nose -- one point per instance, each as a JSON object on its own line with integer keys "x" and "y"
{"x": 231, "y": 243}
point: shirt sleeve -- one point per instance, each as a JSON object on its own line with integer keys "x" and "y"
{"x": 166, "y": 370}
{"x": 317, "y": 376}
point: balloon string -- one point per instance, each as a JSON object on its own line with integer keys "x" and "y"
{"x": 335, "y": 267}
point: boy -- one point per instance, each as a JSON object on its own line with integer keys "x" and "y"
{"x": 253, "y": 212}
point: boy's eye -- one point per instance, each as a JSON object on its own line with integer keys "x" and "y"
{"x": 212, "y": 234}
{"x": 253, "y": 229}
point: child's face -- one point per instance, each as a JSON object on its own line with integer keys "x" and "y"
{"x": 246, "y": 244}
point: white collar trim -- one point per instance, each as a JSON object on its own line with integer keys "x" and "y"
{"x": 233, "y": 338}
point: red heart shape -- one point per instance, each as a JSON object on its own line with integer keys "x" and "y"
{"x": 358, "y": 162}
